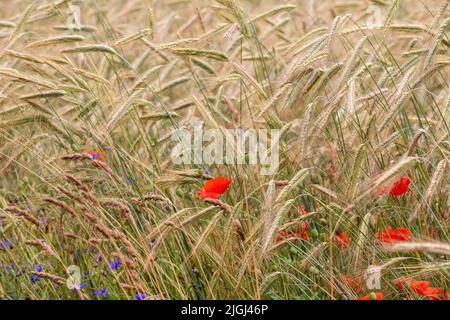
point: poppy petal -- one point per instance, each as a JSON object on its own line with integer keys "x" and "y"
{"x": 214, "y": 188}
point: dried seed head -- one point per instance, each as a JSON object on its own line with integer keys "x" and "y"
{"x": 239, "y": 229}
{"x": 225, "y": 207}
{"x": 43, "y": 245}
{"x": 23, "y": 213}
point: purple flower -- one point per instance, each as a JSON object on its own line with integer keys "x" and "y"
{"x": 30, "y": 207}
{"x": 5, "y": 245}
{"x": 98, "y": 257}
{"x": 114, "y": 264}
{"x": 34, "y": 278}
{"x": 11, "y": 267}
{"x": 21, "y": 272}
{"x": 76, "y": 257}
{"x": 38, "y": 267}
{"x": 102, "y": 291}
{"x": 79, "y": 287}
{"x": 207, "y": 171}
{"x": 140, "y": 296}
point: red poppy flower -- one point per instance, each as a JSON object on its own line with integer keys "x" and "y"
{"x": 422, "y": 288}
{"x": 214, "y": 188}
{"x": 304, "y": 234}
{"x": 281, "y": 236}
{"x": 378, "y": 296}
{"x": 392, "y": 235}
{"x": 301, "y": 209}
{"x": 402, "y": 234}
{"x": 433, "y": 293}
{"x": 435, "y": 232}
{"x": 343, "y": 239}
{"x": 296, "y": 234}
{"x": 96, "y": 154}
{"x": 415, "y": 285}
{"x": 400, "y": 187}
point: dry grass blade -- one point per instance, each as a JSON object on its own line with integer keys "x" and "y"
{"x": 359, "y": 158}
{"x": 208, "y": 230}
{"x": 211, "y": 54}
{"x": 23, "y": 20}
{"x": 12, "y": 73}
{"x": 69, "y": 38}
{"x": 432, "y": 189}
{"x": 121, "y": 111}
{"x": 293, "y": 184}
{"x": 132, "y": 37}
{"x": 423, "y": 246}
{"x": 274, "y": 225}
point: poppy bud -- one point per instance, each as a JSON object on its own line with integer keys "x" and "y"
{"x": 190, "y": 196}
{"x": 314, "y": 233}
{"x": 314, "y": 270}
{"x": 179, "y": 193}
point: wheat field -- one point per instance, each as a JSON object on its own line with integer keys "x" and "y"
{"x": 91, "y": 92}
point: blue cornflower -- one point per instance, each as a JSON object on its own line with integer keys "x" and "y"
{"x": 10, "y": 267}
{"x": 34, "y": 278}
{"x": 76, "y": 257}
{"x": 5, "y": 245}
{"x": 101, "y": 291}
{"x": 140, "y": 296}
{"x": 38, "y": 267}
{"x": 79, "y": 287}
{"x": 96, "y": 154}
{"x": 114, "y": 264}
{"x": 20, "y": 272}
{"x": 207, "y": 171}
